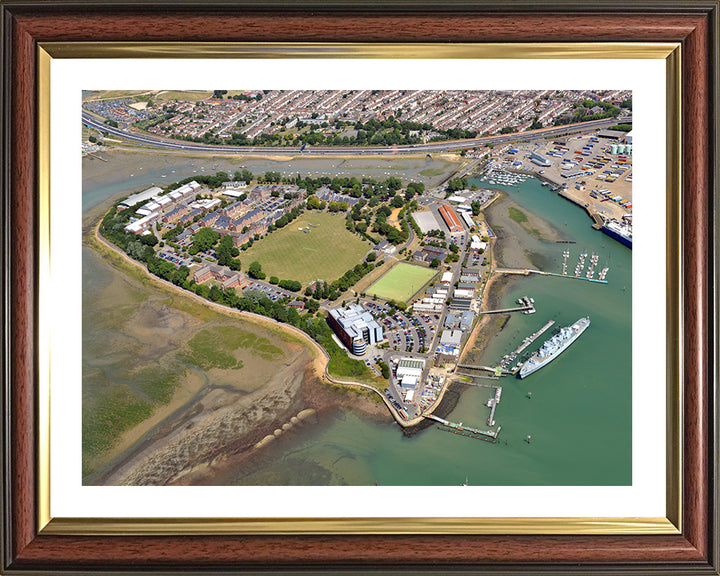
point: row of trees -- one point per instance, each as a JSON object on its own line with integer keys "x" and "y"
{"x": 140, "y": 247}
{"x": 456, "y": 184}
{"x": 388, "y": 132}
{"x": 582, "y": 112}
{"x": 257, "y": 302}
{"x": 332, "y": 291}
{"x": 285, "y": 219}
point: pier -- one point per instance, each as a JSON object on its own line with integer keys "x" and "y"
{"x": 509, "y": 358}
{"x": 494, "y": 370}
{"x": 493, "y": 402}
{"x": 530, "y": 339}
{"x": 568, "y": 276}
{"x": 487, "y": 368}
{"x": 487, "y": 435}
{"x": 503, "y": 310}
{"x": 527, "y": 272}
{"x": 478, "y": 384}
{"x": 527, "y": 307}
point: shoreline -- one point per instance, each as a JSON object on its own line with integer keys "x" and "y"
{"x": 268, "y": 323}
{"x": 489, "y": 326}
{"x": 363, "y": 398}
{"x": 505, "y": 256}
{"x": 289, "y": 157}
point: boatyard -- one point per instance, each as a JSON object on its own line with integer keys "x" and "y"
{"x": 593, "y": 171}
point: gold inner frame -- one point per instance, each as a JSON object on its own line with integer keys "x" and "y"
{"x": 671, "y": 524}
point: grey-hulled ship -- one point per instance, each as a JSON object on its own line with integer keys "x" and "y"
{"x": 553, "y": 347}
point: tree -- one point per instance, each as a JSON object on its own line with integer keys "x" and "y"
{"x": 274, "y": 280}
{"x": 215, "y": 294}
{"x": 149, "y": 239}
{"x": 434, "y": 263}
{"x": 457, "y": 184}
{"x": 384, "y": 369}
{"x": 223, "y": 252}
{"x": 475, "y": 205}
{"x": 393, "y": 183}
{"x": 292, "y": 285}
{"x": 371, "y": 257}
{"x": 204, "y": 239}
{"x": 255, "y": 271}
{"x": 397, "y": 201}
{"x": 312, "y": 305}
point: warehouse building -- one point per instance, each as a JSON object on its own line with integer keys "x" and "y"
{"x": 450, "y": 338}
{"x": 539, "y": 159}
{"x": 612, "y": 134}
{"x": 461, "y": 303}
{"x": 409, "y": 372}
{"x": 139, "y": 197}
{"x": 450, "y": 218}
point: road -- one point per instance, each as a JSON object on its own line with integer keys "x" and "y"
{"x": 158, "y": 142}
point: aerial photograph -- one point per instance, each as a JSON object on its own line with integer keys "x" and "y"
{"x": 357, "y": 287}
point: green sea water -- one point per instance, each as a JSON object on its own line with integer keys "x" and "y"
{"x": 579, "y": 416}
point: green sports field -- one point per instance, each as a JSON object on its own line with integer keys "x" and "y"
{"x": 401, "y": 282}
{"x": 326, "y": 252}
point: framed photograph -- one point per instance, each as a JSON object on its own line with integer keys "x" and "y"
{"x": 370, "y": 306}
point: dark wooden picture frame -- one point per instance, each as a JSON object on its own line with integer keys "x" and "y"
{"x": 693, "y": 24}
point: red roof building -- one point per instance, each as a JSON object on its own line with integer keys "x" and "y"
{"x": 450, "y": 218}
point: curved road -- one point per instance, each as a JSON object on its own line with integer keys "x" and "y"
{"x": 158, "y": 142}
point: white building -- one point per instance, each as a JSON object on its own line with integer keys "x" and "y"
{"x": 467, "y": 218}
{"x": 476, "y": 243}
{"x": 141, "y": 225}
{"x": 140, "y": 197}
{"x": 450, "y": 338}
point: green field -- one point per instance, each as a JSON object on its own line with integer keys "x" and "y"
{"x": 401, "y": 282}
{"x": 326, "y": 252}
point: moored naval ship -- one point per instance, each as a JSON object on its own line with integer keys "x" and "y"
{"x": 621, "y": 232}
{"x": 552, "y": 348}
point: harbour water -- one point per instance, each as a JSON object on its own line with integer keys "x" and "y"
{"x": 579, "y": 416}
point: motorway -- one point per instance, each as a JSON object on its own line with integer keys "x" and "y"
{"x": 158, "y": 142}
